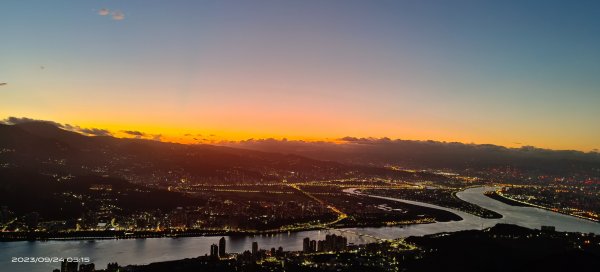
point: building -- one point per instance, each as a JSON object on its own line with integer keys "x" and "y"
{"x": 87, "y": 267}
{"x": 222, "y": 251}
{"x": 334, "y": 243}
{"x": 254, "y": 249}
{"x": 69, "y": 266}
{"x": 112, "y": 267}
{"x": 321, "y": 246}
{"x": 214, "y": 250}
{"x": 306, "y": 245}
{"x": 313, "y": 246}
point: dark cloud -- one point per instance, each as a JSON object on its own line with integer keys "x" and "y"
{"x": 3, "y": 83}
{"x": 369, "y": 140}
{"x": 134, "y": 132}
{"x": 95, "y": 131}
{"x": 68, "y": 127}
{"x": 20, "y": 120}
{"x": 349, "y": 139}
{"x": 74, "y": 128}
{"x": 87, "y": 131}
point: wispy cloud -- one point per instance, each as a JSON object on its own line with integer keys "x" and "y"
{"x": 135, "y": 133}
{"x": 143, "y": 135}
{"x": 118, "y": 15}
{"x": 104, "y": 12}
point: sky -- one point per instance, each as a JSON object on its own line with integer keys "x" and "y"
{"x": 510, "y": 73}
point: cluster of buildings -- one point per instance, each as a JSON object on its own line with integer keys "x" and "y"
{"x": 331, "y": 243}
{"x": 219, "y": 250}
{"x": 66, "y": 266}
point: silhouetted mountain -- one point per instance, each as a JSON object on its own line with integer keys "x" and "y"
{"x": 45, "y": 147}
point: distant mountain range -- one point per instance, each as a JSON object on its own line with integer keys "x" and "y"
{"x": 45, "y": 147}
{"x": 434, "y": 154}
{"x": 42, "y": 159}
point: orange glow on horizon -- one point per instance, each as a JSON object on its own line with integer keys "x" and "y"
{"x": 301, "y": 128}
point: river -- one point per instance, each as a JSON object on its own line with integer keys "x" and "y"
{"x": 143, "y": 251}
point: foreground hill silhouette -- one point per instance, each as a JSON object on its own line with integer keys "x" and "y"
{"x": 41, "y": 146}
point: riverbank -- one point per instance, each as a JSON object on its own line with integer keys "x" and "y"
{"x": 119, "y": 235}
{"x": 513, "y": 202}
{"x": 429, "y": 253}
{"x": 495, "y": 196}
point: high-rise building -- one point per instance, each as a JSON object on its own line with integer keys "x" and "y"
{"x": 254, "y": 249}
{"x": 329, "y": 242}
{"x": 112, "y": 267}
{"x": 63, "y": 266}
{"x": 321, "y": 246}
{"x": 69, "y": 266}
{"x": 332, "y": 243}
{"x": 313, "y": 246}
{"x": 214, "y": 250}
{"x": 222, "y": 251}
{"x": 306, "y": 245}
{"x": 87, "y": 267}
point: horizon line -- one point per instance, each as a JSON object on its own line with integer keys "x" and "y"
{"x": 185, "y": 140}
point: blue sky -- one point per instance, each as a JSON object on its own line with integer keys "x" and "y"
{"x": 502, "y": 72}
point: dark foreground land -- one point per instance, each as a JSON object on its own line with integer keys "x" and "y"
{"x": 500, "y": 248}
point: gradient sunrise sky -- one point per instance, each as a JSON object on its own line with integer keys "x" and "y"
{"x": 503, "y": 72}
